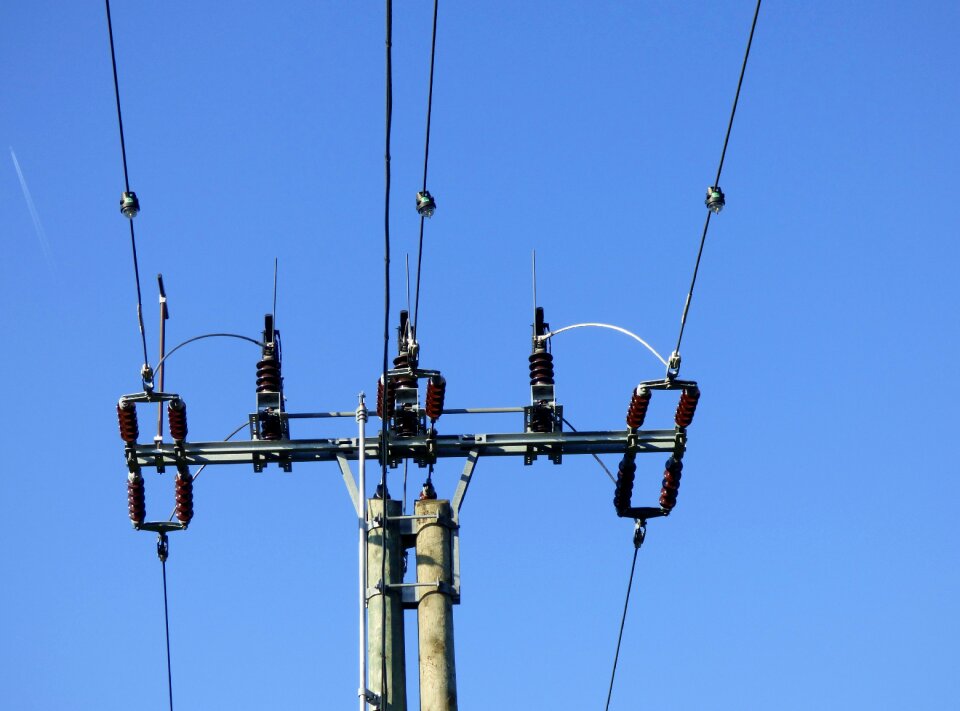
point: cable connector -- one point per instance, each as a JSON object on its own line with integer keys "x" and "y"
{"x": 129, "y": 204}
{"x": 715, "y": 199}
{"x": 426, "y": 205}
{"x": 673, "y": 366}
{"x": 639, "y": 533}
{"x": 163, "y": 549}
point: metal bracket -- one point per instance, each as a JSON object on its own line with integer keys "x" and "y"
{"x": 351, "y": 483}
{"x": 369, "y": 697}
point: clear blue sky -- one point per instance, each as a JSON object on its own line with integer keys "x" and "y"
{"x": 812, "y": 559}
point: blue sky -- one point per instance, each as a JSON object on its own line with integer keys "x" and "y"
{"x": 812, "y": 559}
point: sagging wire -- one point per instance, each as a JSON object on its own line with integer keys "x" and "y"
{"x": 426, "y": 205}
{"x": 715, "y": 200}
{"x": 639, "y": 534}
{"x": 596, "y": 457}
{"x": 204, "y": 466}
{"x": 384, "y": 435}
{"x": 129, "y": 204}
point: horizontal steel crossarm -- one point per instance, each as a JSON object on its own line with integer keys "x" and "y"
{"x": 328, "y": 450}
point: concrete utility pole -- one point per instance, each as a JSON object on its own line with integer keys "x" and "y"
{"x": 394, "y": 695}
{"x": 438, "y": 676}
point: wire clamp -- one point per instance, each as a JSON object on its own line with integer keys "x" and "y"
{"x": 163, "y": 549}
{"x": 673, "y": 366}
{"x": 639, "y": 532}
{"x": 369, "y": 697}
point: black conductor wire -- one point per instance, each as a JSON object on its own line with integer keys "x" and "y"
{"x": 126, "y": 183}
{"x": 384, "y": 434}
{"x": 162, "y": 552}
{"x": 716, "y": 182}
{"x": 638, "y": 536}
{"x": 426, "y": 160}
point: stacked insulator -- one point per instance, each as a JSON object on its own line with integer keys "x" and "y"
{"x": 541, "y": 367}
{"x": 268, "y": 373}
{"x": 406, "y": 423}
{"x": 407, "y": 380}
{"x": 177, "y": 417}
{"x": 183, "y": 491}
{"x": 541, "y": 419}
{"x": 687, "y": 406}
{"x": 136, "y": 500}
{"x": 637, "y": 412}
{"x": 436, "y": 392}
{"x": 127, "y": 415}
{"x": 271, "y": 427}
{"x": 671, "y": 484}
{"x": 623, "y": 493}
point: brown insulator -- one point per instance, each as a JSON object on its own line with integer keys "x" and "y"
{"x": 637, "y": 412}
{"x": 268, "y": 374}
{"x": 177, "y": 417}
{"x": 183, "y": 491}
{"x": 271, "y": 428}
{"x": 541, "y": 419}
{"x": 406, "y": 423}
{"x": 406, "y": 380}
{"x": 687, "y": 406}
{"x": 623, "y": 492}
{"x": 671, "y": 484}
{"x": 436, "y": 392}
{"x": 127, "y": 414}
{"x": 136, "y": 500}
{"x": 385, "y": 402}
{"x": 541, "y": 368}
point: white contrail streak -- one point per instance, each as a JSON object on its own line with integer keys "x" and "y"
{"x": 37, "y": 226}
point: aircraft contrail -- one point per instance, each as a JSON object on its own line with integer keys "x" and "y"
{"x": 37, "y": 226}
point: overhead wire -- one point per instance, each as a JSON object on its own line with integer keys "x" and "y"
{"x": 162, "y": 553}
{"x": 623, "y": 619}
{"x": 126, "y": 183}
{"x": 716, "y": 182}
{"x": 384, "y": 434}
{"x": 599, "y": 461}
{"x": 426, "y": 160}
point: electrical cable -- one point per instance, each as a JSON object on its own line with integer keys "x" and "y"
{"x": 623, "y": 619}
{"x": 254, "y": 341}
{"x": 599, "y": 461}
{"x": 162, "y": 551}
{"x": 384, "y": 434}
{"x": 126, "y": 183}
{"x": 426, "y": 159}
{"x": 204, "y": 466}
{"x": 716, "y": 182}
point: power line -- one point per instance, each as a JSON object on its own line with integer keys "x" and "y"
{"x": 386, "y": 343}
{"x": 426, "y": 161}
{"x": 638, "y": 536}
{"x": 162, "y": 552}
{"x": 716, "y": 182}
{"x": 135, "y": 207}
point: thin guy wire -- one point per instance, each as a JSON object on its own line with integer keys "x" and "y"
{"x": 426, "y": 158}
{"x": 716, "y": 182}
{"x": 204, "y": 466}
{"x": 626, "y": 603}
{"x": 599, "y": 461}
{"x": 126, "y": 183}
{"x": 386, "y": 342}
{"x": 166, "y": 622}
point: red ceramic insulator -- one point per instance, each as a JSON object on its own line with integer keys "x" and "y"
{"x": 637, "y": 412}
{"x": 177, "y": 417}
{"x": 127, "y": 414}
{"x": 671, "y": 484}
{"x": 436, "y": 392}
{"x": 136, "y": 500}
{"x": 623, "y": 493}
{"x": 268, "y": 374}
{"x": 183, "y": 491}
{"x": 687, "y": 406}
{"x": 541, "y": 368}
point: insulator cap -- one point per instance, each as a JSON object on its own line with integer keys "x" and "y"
{"x": 426, "y": 205}
{"x": 129, "y": 204}
{"x": 268, "y": 374}
{"x": 127, "y": 415}
{"x": 687, "y": 407}
{"x": 637, "y": 412}
{"x": 715, "y": 199}
{"x": 177, "y": 418}
{"x": 136, "y": 500}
